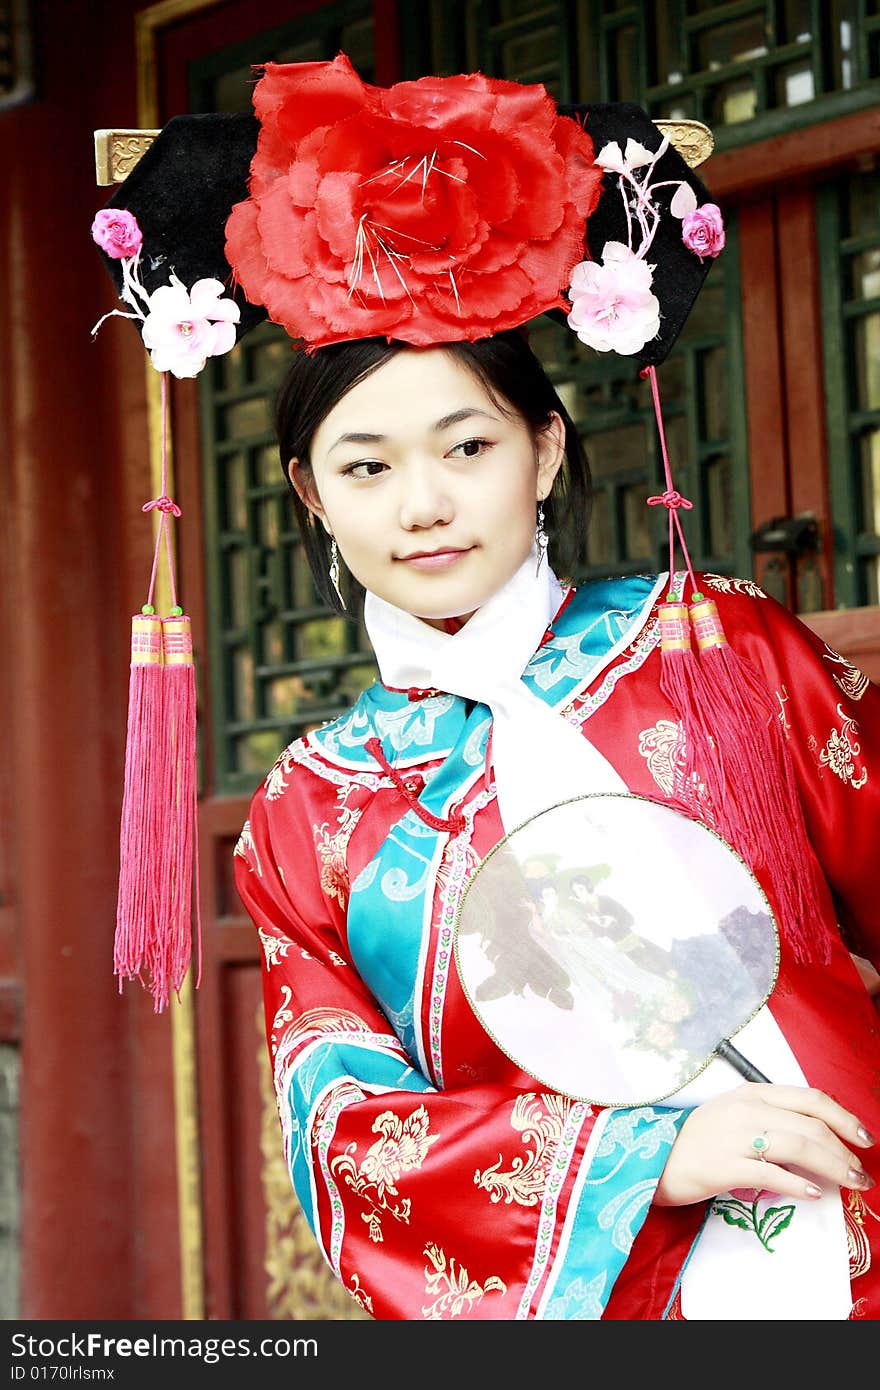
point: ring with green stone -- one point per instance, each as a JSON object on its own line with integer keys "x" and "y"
{"x": 761, "y": 1144}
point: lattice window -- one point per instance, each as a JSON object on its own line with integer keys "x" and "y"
{"x": 849, "y": 242}
{"x": 747, "y": 67}
{"x": 280, "y": 662}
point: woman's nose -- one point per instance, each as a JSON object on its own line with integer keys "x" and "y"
{"x": 424, "y": 501}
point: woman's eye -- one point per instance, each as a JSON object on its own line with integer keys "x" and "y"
{"x": 373, "y": 468}
{"x": 472, "y": 448}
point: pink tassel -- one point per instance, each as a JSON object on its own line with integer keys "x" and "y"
{"x": 159, "y": 833}
{"x": 177, "y": 830}
{"x": 760, "y": 812}
{"x": 698, "y": 784}
{"x": 139, "y": 831}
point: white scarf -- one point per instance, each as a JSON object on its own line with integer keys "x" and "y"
{"x": 540, "y": 760}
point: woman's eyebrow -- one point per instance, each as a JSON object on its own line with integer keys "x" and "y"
{"x": 357, "y": 438}
{"x": 455, "y": 417}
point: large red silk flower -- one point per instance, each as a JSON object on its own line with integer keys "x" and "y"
{"x": 443, "y": 209}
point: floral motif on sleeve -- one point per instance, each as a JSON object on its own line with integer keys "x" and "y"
{"x": 841, "y": 752}
{"x": 658, "y": 747}
{"x": 850, "y": 679}
{"x": 452, "y": 1289}
{"x": 727, "y": 584}
{"x": 283, "y": 1014}
{"x": 540, "y": 1120}
{"x": 332, "y": 847}
{"x": 275, "y": 948}
{"x": 247, "y": 850}
{"x": 782, "y": 699}
{"x": 402, "y": 1145}
{"x": 360, "y": 1294}
{"x": 276, "y": 777}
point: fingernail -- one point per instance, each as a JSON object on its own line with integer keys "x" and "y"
{"x": 860, "y": 1179}
{"x": 812, "y": 1190}
{"x": 865, "y": 1137}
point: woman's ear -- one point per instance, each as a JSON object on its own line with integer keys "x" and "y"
{"x": 550, "y": 452}
{"x": 302, "y": 481}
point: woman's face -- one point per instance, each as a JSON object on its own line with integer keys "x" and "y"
{"x": 428, "y": 487}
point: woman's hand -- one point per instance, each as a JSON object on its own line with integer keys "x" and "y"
{"x": 811, "y": 1142}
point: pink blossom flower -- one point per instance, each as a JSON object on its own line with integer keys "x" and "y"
{"x": 117, "y": 232}
{"x": 702, "y": 231}
{"x": 182, "y": 330}
{"x": 612, "y": 306}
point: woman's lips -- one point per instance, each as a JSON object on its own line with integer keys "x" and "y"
{"x": 437, "y": 560}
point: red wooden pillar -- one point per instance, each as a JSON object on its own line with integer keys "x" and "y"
{"x": 93, "y": 1196}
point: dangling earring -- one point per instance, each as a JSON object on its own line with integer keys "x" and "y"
{"x": 334, "y": 569}
{"x": 542, "y": 540}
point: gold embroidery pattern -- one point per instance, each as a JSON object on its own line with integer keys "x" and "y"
{"x": 661, "y": 748}
{"x": 360, "y": 1295}
{"x": 246, "y": 849}
{"x": 315, "y": 1022}
{"x": 283, "y": 1014}
{"x": 452, "y": 1289}
{"x": 402, "y": 1146}
{"x": 851, "y": 681}
{"x": 782, "y": 699}
{"x": 856, "y": 1211}
{"x": 841, "y": 750}
{"x": 276, "y": 783}
{"x": 541, "y": 1120}
{"x": 275, "y": 948}
{"x": 332, "y": 848}
{"x": 725, "y": 584}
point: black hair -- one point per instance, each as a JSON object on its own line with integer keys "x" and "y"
{"x": 510, "y": 373}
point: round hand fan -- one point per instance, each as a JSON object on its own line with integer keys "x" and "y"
{"x": 611, "y": 946}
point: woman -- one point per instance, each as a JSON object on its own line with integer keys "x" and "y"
{"x": 429, "y": 454}
{"x": 439, "y": 1181}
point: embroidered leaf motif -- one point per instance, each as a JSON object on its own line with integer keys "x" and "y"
{"x": 745, "y": 1217}
{"x": 774, "y": 1220}
{"x": 734, "y": 1213}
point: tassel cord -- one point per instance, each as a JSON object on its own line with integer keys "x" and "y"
{"x": 166, "y": 508}
{"x": 671, "y": 499}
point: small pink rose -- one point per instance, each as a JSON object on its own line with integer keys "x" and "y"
{"x": 702, "y": 231}
{"x": 117, "y": 232}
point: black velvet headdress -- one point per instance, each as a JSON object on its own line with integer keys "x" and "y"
{"x": 264, "y": 204}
